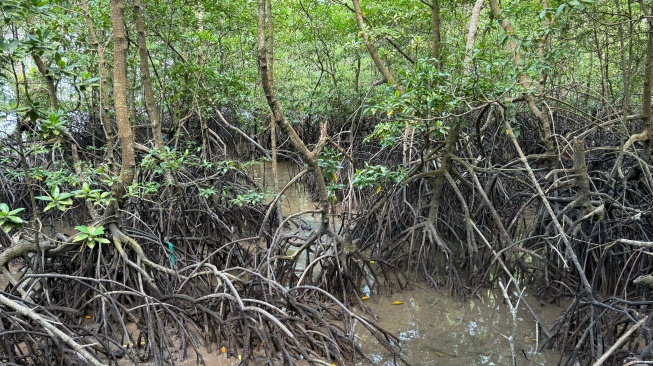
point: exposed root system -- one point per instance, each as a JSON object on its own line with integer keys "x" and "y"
{"x": 189, "y": 271}
{"x": 183, "y": 275}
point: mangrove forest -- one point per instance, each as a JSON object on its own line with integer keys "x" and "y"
{"x": 149, "y": 151}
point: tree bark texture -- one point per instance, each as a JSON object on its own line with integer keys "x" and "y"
{"x": 125, "y": 135}
{"x": 435, "y": 24}
{"x": 146, "y": 79}
{"x": 646, "y": 96}
{"x": 49, "y": 80}
{"x": 471, "y": 35}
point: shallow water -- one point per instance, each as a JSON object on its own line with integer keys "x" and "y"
{"x": 441, "y": 330}
{"x": 295, "y": 199}
{"x": 437, "y": 329}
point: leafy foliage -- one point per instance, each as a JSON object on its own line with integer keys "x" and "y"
{"x": 248, "y": 198}
{"x": 95, "y": 196}
{"x": 9, "y": 219}
{"x": 423, "y": 98}
{"x": 57, "y": 199}
{"x": 376, "y": 175}
{"x": 90, "y": 235}
{"x": 330, "y": 162}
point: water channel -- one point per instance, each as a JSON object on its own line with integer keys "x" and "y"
{"x": 437, "y": 329}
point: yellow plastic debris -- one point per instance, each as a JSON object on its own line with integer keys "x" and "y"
{"x": 397, "y": 302}
{"x": 87, "y": 316}
{"x": 365, "y": 297}
{"x": 372, "y": 262}
{"x": 223, "y": 349}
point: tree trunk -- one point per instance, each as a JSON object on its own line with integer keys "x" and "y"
{"x": 471, "y": 35}
{"x": 541, "y": 49}
{"x": 645, "y": 135}
{"x": 104, "y": 85}
{"x": 387, "y": 75}
{"x": 625, "y": 66}
{"x": 435, "y": 24}
{"x": 370, "y": 47}
{"x": 49, "y": 80}
{"x": 646, "y": 96}
{"x": 452, "y": 138}
{"x": 146, "y": 80}
{"x": 273, "y": 122}
{"x": 309, "y": 158}
{"x": 125, "y": 135}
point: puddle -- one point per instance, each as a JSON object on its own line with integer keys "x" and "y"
{"x": 440, "y": 330}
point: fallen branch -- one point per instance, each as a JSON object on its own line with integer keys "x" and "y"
{"x": 50, "y": 329}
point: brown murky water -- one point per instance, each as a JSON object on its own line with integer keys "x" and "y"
{"x": 437, "y": 329}
{"x": 295, "y": 199}
{"x": 441, "y": 330}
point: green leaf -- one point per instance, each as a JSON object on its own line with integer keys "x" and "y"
{"x": 83, "y": 229}
{"x": 16, "y": 220}
{"x": 14, "y": 212}
{"x": 80, "y": 237}
{"x": 50, "y": 206}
